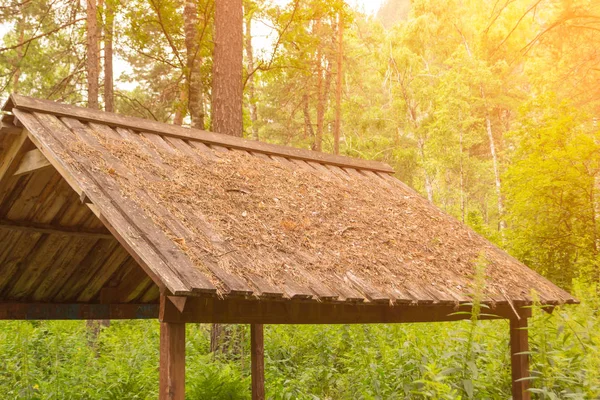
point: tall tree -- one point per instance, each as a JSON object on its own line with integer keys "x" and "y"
{"x": 251, "y": 90}
{"x": 109, "y": 17}
{"x": 227, "y": 91}
{"x": 92, "y": 53}
{"x": 227, "y": 86}
{"x": 339, "y": 79}
{"x": 193, "y": 64}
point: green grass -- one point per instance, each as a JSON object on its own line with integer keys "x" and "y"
{"x": 55, "y": 360}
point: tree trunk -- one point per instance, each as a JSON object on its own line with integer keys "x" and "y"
{"x": 495, "y": 164}
{"x": 250, "y": 81}
{"x": 428, "y": 182}
{"x": 257, "y": 349}
{"x": 488, "y": 125}
{"x": 308, "y": 128}
{"x": 180, "y": 111}
{"x": 92, "y": 54}
{"x": 109, "y": 97}
{"x": 227, "y": 91}
{"x": 338, "y": 93}
{"x": 318, "y": 144}
{"x": 193, "y": 64}
{"x": 94, "y": 32}
{"x": 462, "y": 177}
{"x": 216, "y": 331}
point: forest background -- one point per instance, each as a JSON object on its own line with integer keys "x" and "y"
{"x": 488, "y": 108}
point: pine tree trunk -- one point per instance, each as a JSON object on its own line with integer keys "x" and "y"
{"x": 250, "y": 82}
{"x": 92, "y": 54}
{"x": 227, "y": 91}
{"x": 180, "y": 111}
{"x": 94, "y": 32}
{"x": 308, "y": 128}
{"x": 338, "y": 93}
{"x": 318, "y": 144}
{"x": 193, "y": 64}
{"x": 109, "y": 98}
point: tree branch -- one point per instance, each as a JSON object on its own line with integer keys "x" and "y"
{"x": 3, "y": 49}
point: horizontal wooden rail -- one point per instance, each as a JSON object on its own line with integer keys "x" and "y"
{"x": 43, "y": 311}
{"x": 24, "y": 103}
{"x": 245, "y": 311}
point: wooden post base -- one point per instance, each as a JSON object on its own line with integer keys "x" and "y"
{"x": 258, "y": 361}
{"x": 172, "y": 361}
{"x": 519, "y": 343}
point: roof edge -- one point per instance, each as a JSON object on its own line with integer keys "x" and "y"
{"x": 30, "y": 104}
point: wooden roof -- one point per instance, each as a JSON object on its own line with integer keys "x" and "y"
{"x": 94, "y": 204}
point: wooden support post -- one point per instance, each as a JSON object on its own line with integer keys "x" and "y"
{"x": 258, "y": 361}
{"x": 519, "y": 362}
{"x": 172, "y": 361}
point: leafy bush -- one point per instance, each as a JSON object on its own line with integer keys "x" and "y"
{"x": 56, "y": 360}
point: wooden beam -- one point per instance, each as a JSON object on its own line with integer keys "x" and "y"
{"x": 258, "y": 361}
{"x": 142, "y": 125}
{"x": 43, "y": 311}
{"x": 132, "y": 241}
{"x": 27, "y": 226}
{"x": 251, "y": 311}
{"x": 172, "y": 361}
{"x": 519, "y": 362}
{"x": 12, "y": 154}
{"x": 32, "y": 161}
{"x": 172, "y": 353}
{"x": 9, "y": 129}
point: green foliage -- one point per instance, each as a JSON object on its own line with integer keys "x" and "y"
{"x": 429, "y": 93}
{"x": 460, "y": 360}
{"x": 551, "y": 188}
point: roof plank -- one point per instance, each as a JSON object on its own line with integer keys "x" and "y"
{"x": 172, "y": 255}
{"x": 234, "y": 285}
{"x": 115, "y": 221}
{"x": 138, "y": 124}
{"x": 370, "y": 292}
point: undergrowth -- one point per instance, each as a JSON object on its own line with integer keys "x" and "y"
{"x": 460, "y": 360}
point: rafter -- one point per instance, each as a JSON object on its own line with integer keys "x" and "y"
{"x": 28, "y": 226}
{"x": 11, "y": 154}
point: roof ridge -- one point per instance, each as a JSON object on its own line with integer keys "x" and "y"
{"x": 25, "y": 103}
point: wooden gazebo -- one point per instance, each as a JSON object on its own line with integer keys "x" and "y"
{"x": 110, "y": 217}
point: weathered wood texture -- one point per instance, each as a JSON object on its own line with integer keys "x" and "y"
{"x": 53, "y": 248}
{"x": 143, "y": 240}
{"x": 257, "y": 349}
{"x": 249, "y": 311}
{"x": 9, "y": 129}
{"x": 519, "y": 344}
{"x": 54, "y": 255}
{"x": 32, "y": 161}
{"x": 172, "y": 361}
{"x": 27, "y": 226}
{"x": 141, "y": 125}
{"x": 41, "y": 311}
